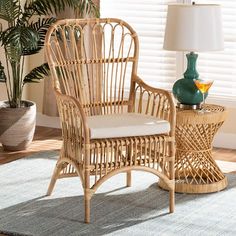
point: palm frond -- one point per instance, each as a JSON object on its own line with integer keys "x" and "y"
{"x": 13, "y": 53}
{"x": 47, "y": 7}
{"x": 9, "y": 10}
{"x": 21, "y": 37}
{"x": 25, "y": 34}
{"x": 3, "y": 77}
{"x": 37, "y": 74}
{"x": 87, "y": 7}
{"x": 1, "y": 32}
{"x": 41, "y": 26}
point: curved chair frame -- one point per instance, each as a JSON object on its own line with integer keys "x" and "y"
{"x": 90, "y": 80}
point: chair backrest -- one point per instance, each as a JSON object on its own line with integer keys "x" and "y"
{"x": 93, "y": 60}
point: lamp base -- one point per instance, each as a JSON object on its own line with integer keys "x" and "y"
{"x": 185, "y": 90}
{"x": 188, "y": 107}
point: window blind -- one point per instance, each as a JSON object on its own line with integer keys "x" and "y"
{"x": 157, "y": 67}
{"x": 221, "y": 66}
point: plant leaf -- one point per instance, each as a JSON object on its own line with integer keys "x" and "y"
{"x": 13, "y": 53}
{"x": 41, "y": 26}
{"x": 1, "y": 32}
{"x": 87, "y": 7}
{"x": 37, "y": 74}
{"x": 9, "y": 10}
{"x": 3, "y": 77}
{"x": 22, "y": 38}
{"x": 47, "y": 7}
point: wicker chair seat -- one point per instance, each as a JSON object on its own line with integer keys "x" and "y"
{"x": 125, "y": 125}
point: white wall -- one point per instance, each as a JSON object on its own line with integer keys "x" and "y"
{"x": 226, "y": 136}
{"x": 35, "y": 90}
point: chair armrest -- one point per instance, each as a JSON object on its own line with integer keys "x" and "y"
{"x": 73, "y": 119}
{"x": 155, "y": 102}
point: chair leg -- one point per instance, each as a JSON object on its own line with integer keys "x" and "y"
{"x": 87, "y": 191}
{"x": 128, "y": 179}
{"x": 172, "y": 177}
{"x": 53, "y": 180}
{"x": 87, "y": 208}
{"x": 172, "y": 200}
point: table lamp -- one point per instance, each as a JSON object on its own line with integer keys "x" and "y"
{"x": 192, "y": 28}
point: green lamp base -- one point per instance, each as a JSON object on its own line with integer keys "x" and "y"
{"x": 185, "y": 90}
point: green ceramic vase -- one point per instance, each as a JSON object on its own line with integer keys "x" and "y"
{"x": 184, "y": 90}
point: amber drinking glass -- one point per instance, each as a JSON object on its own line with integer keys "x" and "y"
{"x": 203, "y": 85}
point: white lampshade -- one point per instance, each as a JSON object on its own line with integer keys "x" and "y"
{"x": 193, "y": 28}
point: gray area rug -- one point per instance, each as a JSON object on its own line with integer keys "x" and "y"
{"x": 139, "y": 210}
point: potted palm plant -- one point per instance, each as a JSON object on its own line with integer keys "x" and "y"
{"x": 23, "y": 35}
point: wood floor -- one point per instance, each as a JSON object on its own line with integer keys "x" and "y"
{"x": 46, "y": 139}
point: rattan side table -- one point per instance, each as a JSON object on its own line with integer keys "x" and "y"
{"x": 195, "y": 169}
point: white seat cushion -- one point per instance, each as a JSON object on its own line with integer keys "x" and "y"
{"x": 125, "y": 125}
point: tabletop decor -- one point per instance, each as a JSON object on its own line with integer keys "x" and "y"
{"x": 192, "y": 28}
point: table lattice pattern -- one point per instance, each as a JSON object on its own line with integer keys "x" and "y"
{"x": 195, "y": 169}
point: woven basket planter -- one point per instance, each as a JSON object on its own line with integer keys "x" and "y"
{"x": 17, "y": 126}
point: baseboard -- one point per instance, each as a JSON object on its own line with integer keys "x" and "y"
{"x": 47, "y": 121}
{"x": 225, "y": 140}
{"x": 221, "y": 140}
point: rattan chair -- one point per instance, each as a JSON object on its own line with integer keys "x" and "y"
{"x": 106, "y": 128}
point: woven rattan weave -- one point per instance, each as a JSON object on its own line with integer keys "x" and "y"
{"x": 92, "y": 62}
{"x": 195, "y": 169}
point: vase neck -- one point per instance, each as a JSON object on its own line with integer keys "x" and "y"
{"x": 191, "y": 72}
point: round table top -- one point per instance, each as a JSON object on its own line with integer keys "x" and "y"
{"x": 213, "y": 114}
